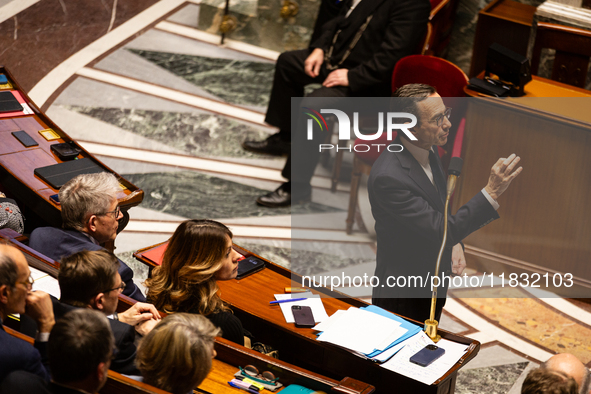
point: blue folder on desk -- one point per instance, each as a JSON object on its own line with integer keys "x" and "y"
{"x": 412, "y": 329}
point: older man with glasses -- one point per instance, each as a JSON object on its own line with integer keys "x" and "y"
{"x": 16, "y": 297}
{"x": 90, "y": 279}
{"x": 90, "y": 217}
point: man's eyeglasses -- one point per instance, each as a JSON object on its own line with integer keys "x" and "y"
{"x": 121, "y": 287}
{"x": 29, "y": 283}
{"x": 439, "y": 119}
{"x": 116, "y": 213}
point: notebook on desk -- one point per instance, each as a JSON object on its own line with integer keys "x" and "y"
{"x": 56, "y": 175}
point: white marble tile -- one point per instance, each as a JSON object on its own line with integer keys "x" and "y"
{"x": 85, "y": 128}
{"x": 140, "y": 68}
{"x": 158, "y": 40}
{"x": 493, "y": 356}
{"x": 105, "y": 95}
{"x": 189, "y": 16}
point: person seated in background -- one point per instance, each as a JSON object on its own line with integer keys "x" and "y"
{"x": 16, "y": 297}
{"x": 198, "y": 255}
{"x": 80, "y": 351}
{"x": 10, "y": 215}
{"x": 564, "y": 364}
{"x": 176, "y": 355}
{"x": 89, "y": 279}
{"x": 545, "y": 381}
{"x": 90, "y": 217}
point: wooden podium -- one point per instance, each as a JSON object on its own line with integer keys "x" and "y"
{"x": 544, "y": 226}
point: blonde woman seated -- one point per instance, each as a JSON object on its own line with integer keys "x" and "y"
{"x": 176, "y": 355}
{"x": 198, "y": 254}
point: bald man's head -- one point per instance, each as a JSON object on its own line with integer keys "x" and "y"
{"x": 571, "y": 366}
{"x": 14, "y": 274}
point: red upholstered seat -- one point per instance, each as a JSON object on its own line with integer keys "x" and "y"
{"x": 446, "y": 77}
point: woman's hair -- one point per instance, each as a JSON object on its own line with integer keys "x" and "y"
{"x": 176, "y": 355}
{"x": 185, "y": 281}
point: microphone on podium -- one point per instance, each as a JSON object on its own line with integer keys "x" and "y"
{"x": 454, "y": 170}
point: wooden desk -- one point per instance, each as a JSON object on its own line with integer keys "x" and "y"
{"x": 249, "y": 298}
{"x": 506, "y": 22}
{"x": 229, "y": 355}
{"x": 539, "y": 87}
{"x": 17, "y": 163}
{"x": 544, "y": 225}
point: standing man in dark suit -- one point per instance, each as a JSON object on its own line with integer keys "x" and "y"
{"x": 90, "y": 216}
{"x": 407, "y": 194}
{"x": 16, "y": 297}
{"x": 354, "y": 57}
{"x": 89, "y": 279}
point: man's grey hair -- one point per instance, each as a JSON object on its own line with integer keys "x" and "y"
{"x": 406, "y": 98}
{"x": 8, "y": 268}
{"x": 85, "y": 195}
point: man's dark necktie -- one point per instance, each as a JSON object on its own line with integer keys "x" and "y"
{"x": 438, "y": 176}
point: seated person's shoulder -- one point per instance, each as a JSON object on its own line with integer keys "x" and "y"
{"x": 231, "y": 326}
{"x": 18, "y": 382}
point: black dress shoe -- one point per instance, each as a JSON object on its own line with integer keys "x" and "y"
{"x": 273, "y": 145}
{"x": 280, "y": 198}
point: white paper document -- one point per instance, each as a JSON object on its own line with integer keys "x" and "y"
{"x": 401, "y": 364}
{"x": 45, "y": 282}
{"x": 362, "y": 331}
{"x": 312, "y": 300}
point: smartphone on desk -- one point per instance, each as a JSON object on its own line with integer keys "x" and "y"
{"x": 427, "y": 355}
{"x": 303, "y": 316}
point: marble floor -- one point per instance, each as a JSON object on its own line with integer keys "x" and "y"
{"x": 162, "y": 104}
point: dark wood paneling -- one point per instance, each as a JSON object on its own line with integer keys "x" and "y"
{"x": 545, "y": 212}
{"x": 506, "y": 22}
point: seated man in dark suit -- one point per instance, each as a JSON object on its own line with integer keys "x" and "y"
{"x": 353, "y": 57}
{"x": 16, "y": 297}
{"x": 89, "y": 279}
{"x": 80, "y": 352}
{"x": 90, "y": 217}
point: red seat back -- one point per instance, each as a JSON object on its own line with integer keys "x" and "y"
{"x": 446, "y": 77}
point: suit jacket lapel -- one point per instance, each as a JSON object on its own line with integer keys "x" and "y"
{"x": 417, "y": 174}
{"x": 351, "y": 25}
{"x": 439, "y": 169}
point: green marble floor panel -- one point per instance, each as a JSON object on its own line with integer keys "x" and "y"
{"x": 491, "y": 380}
{"x": 239, "y": 82}
{"x": 197, "y": 196}
{"x": 303, "y": 262}
{"x": 194, "y": 133}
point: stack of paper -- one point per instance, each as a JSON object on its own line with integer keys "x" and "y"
{"x": 401, "y": 364}
{"x": 361, "y": 331}
{"x": 45, "y": 282}
{"x": 312, "y": 300}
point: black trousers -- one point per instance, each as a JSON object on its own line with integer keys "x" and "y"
{"x": 289, "y": 81}
{"x": 414, "y": 308}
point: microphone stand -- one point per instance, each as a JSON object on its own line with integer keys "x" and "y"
{"x": 454, "y": 170}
